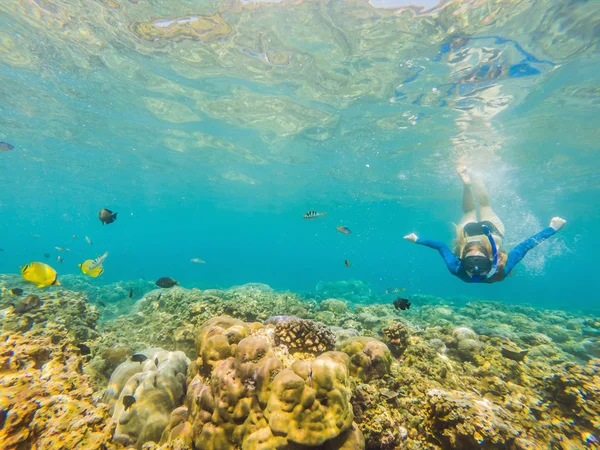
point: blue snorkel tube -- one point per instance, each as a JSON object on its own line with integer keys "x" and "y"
{"x": 494, "y": 268}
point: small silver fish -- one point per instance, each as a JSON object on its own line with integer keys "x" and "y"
{"x": 198, "y": 261}
{"x": 96, "y": 262}
{"x": 61, "y": 249}
{"x": 59, "y": 259}
{"x": 89, "y": 241}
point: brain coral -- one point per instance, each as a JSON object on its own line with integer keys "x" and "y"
{"x": 302, "y": 335}
{"x": 157, "y": 386}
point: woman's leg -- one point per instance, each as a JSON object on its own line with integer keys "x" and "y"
{"x": 468, "y": 201}
{"x": 485, "y": 207}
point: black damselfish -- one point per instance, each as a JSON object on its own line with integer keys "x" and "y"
{"x": 402, "y": 303}
{"x": 139, "y": 357}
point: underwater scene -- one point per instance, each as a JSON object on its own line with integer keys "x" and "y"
{"x": 299, "y": 224}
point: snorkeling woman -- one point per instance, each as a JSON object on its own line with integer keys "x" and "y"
{"x": 477, "y": 256}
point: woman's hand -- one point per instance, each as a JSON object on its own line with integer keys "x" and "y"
{"x": 412, "y": 237}
{"x": 557, "y": 223}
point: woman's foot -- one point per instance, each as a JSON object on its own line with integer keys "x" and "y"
{"x": 463, "y": 173}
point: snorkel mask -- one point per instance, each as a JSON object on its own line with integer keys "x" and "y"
{"x": 480, "y": 266}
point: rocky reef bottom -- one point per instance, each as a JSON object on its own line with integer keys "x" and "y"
{"x": 251, "y": 368}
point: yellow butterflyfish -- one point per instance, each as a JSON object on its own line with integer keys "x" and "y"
{"x": 94, "y": 271}
{"x": 40, "y": 274}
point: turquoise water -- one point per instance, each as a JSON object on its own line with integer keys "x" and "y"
{"x": 213, "y": 144}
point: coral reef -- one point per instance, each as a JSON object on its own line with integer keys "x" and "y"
{"x": 243, "y": 396}
{"x": 45, "y": 400}
{"x": 369, "y": 358}
{"x": 60, "y": 310}
{"x": 302, "y": 335}
{"x": 218, "y": 339}
{"x": 470, "y": 375}
{"x": 142, "y": 394}
{"x": 396, "y": 335}
{"x": 460, "y": 420}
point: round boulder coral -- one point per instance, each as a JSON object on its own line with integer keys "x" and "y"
{"x": 369, "y": 358}
{"x": 217, "y": 340}
{"x": 312, "y": 409}
{"x": 143, "y": 393}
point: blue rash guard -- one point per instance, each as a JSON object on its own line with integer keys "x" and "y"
{"x": 453, "y": 262}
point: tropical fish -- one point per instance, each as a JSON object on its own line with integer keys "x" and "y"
{"x": 344, "y": 230}
{"x": 62, "y": 249}
{"x": 26, "y": 304}
{"x": 89, "y": 241}
{"x": 395, "y": 290}
{"x": 347, "y": 263}
{"x": 5, "y": 146}
{"x": 514, "y": 353}
{"x": 46, "y": 255}
{"x": 166, "y": 282}
{"x": 156, "y": 361}
{"x": 102, "y": 304}
{"x": 98, "y": 261}
{"x": 402, "y": 303}
{"x": 16, "y": 291}
{"x": 130, "y": 292}
{"x": 128, "y": 400}
{"x": 59, "y": 259}
{"x": 314, "y": 215}
{"x": 85, "y": 350}
{"x": 74, "y": 236}
{"x": 390, "y": 395}
{"x": 40, "y": 274}
{"x": 95, "y": 272}
{"x": 138, "y": 357}
{"x": 106, "y": 216}
{"x": 198, "y": 261}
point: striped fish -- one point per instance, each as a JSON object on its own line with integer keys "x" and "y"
{"x": 99, "y": 260}
{"x": 314, "y": 215}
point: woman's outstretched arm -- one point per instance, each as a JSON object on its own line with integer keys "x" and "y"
{"x": 451, "y": 260}
{"x": 519, "y": 252}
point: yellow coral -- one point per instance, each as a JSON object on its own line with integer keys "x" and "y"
{"x": 369, "y": 358}
{"x": 249, "y": 402}
{"x": 313, "y": 410}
